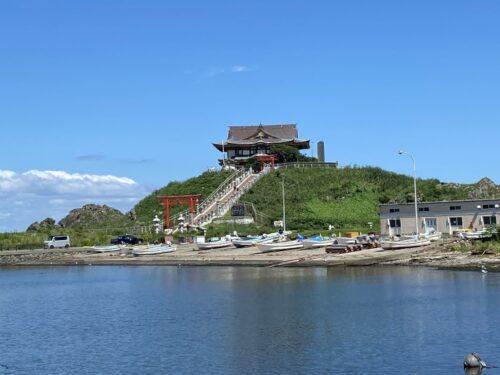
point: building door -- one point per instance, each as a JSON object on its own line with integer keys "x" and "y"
{"x": 394, "y": 227}
{"x": 455, "y": 223}
{"x": 430, "y": 225}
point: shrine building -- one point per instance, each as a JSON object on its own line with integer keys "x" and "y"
{"x": 255, "y": 141}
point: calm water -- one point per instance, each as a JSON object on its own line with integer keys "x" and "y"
{"x": 168, "y": 320}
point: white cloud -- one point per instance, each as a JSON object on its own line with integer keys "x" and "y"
{"x": 34, "y": 195}
{"x": 240, "y": 69}
{"x": 218, "y": 70}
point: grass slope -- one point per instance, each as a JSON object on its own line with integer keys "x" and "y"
{"x": 345, "y": 198}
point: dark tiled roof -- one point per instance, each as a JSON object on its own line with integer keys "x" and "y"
{"x": 285, "y": 131}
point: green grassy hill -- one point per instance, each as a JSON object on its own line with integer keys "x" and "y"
{"x": 347, "y": 198}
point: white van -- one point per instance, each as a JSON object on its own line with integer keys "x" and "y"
{"x": 56, "y": 241}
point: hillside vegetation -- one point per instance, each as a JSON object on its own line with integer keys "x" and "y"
{"x": 348, "y": 197}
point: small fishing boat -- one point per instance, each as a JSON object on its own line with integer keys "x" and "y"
{"x": 107, "y": 248}
{"x": 254, "y": 240}
{"x": 475, "y": 235}
{"x": 316, "y": 242}
{"x": 279, "y": 245}
{"x": 403, "y": 242}
{"x": 214, "y": 243}
{"x": 344, "y": 241}
{"x": 153, "y": 249}
{"x": 245, "y": 241}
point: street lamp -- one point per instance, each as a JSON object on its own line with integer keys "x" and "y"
{"x": 414, "y": 186}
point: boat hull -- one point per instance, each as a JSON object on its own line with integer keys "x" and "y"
{"x": 279, "y": 246}
{"x": 246, "y": 241}
{"x": 475, "y": 235}
{"x": 107, "y": 249}
{"x": 316, "y": 244}
{"x": 403, "y": 244}
{"x": 153, "y": 250}
{"x": 213, "y": 245}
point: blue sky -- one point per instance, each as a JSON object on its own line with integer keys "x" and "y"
{"x": 121, "y": 97}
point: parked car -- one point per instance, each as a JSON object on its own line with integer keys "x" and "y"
{"x": 127, "y": 240}
{"x": 60, "y": 240}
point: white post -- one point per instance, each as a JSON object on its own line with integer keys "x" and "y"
{"x": 414, "y": 186}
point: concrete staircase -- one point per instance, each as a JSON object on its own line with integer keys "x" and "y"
{"x": 221, "y": 200}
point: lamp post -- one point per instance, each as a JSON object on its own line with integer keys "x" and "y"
{"x": 414, "y": 186}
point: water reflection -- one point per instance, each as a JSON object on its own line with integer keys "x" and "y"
{"x": 473, "y": 371}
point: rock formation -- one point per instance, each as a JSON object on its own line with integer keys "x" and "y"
{"x": 91, "y": 216}
{"x": 46, "y": 224}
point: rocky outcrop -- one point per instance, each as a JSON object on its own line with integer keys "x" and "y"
{"x": 484, "y": 189}
{"x": 91, "y": 216}
{"x": 44, "y": 225}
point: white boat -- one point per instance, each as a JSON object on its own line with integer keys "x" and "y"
{"x": 317, "y": 242}
{"x": 266, "y": 247}
{"x": 213, "y": 244}
{"x": 476, "y": 235}
{"x": 153, "y": 249}
{"x": 432, "y": 236}
{"x": 403, "y": 243}
{"x": 346, "y": 241}
{"x": 107, "y": 248}
{"x": 253, "y": 240}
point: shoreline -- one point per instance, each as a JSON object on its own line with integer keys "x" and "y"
{"x": 436, "y": 256}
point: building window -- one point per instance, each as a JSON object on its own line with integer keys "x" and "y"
{"x": 486, "y": 206}
{"x": 395, "y": 223}
{"x": 392, "y": 210}
{"x": 455, "y": 208}
{"x": 423, "y": 209}
{"x": 490, "y": 220}
{"x": 242, "y": 152}
{"x": 456, "y": 221}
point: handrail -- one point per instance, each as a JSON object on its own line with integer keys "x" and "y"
{"x": 207, "y": 200}
{"x": 223, "y": 184}
{"x": 226, "y": 194}
{"x": 303, "y": 164}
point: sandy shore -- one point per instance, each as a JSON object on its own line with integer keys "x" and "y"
{"x": 436, "y": 255}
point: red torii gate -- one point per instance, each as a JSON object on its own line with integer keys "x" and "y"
{"x": 172, "y": 200}
{"x": 267, "y": 159}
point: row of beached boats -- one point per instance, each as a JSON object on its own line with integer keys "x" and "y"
{"x": 277, "y": 242}
{"x": 274, "y": 242}
{"x": 153, "y": 249}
